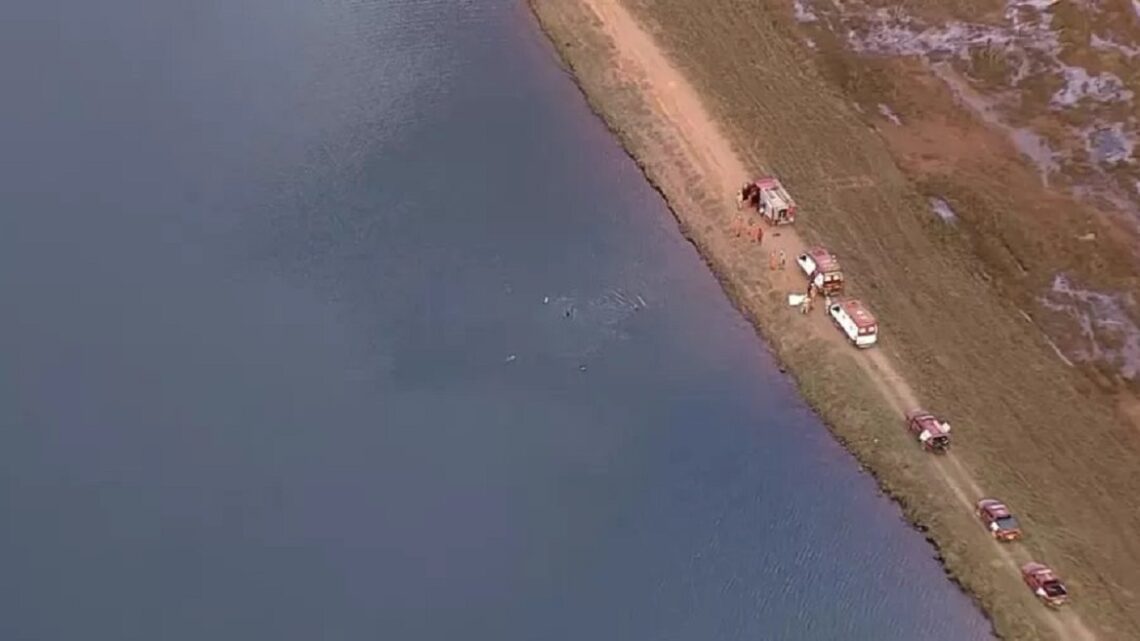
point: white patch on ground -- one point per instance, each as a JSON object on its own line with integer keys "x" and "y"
{"x": 1109, "y": 333}
{"x": 889, "y": 114}
{"x": 1109, "y": 144}
{"x": 902, "y": 36}
{"x": 1104, "y": 44}
{"x": 810, "y": 43}
{"x": 1028, "y": 44}
{"x": 943, "y": 210}
{"x": 802, "y": 12}
{"x": 1026, "y": 41}
{"x": 1079, "y": 84}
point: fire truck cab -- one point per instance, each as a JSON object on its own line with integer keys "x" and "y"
{"x": 822, "y": 270}
{"x": 769, "y": 197}
{"x": 932, "y": 432}
{"x": 998, "y": 520}
{"x": 1045, "y": 584}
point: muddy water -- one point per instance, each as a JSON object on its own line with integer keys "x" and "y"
{"x": 348, "y": 320}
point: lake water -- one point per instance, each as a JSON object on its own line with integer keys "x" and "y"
{"x": 347, "y": 320}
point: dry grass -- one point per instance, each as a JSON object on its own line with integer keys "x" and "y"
{"x": 1024, "y": 232}
{"x": 1034, "y": 432}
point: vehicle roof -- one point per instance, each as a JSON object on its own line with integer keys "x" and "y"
{"x": 771, "y": 183}
{"x": 778, "y": 198}
{"x": 997, "y": 509}
{"x": 927, "y": 421}
{"x": 1038, "y": 571}
{"x": 858, "y": 313}
{"x": 825, "y": 261}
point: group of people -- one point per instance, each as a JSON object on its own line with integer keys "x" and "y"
{"x": 750, "y": 195}
{"x": 777, "y": 260}
{"x": 755, "y": 232}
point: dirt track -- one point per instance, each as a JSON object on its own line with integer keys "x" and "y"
{"x": 664, "y": 122}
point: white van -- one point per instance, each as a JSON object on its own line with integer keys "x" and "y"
{"x": 855, "y": 321}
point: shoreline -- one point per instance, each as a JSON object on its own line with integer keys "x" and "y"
{"x": 859, "y": 396}
{"x": 732, "y": 289}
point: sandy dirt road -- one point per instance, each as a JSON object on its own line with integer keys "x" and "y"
{"x": 714, "y": 162}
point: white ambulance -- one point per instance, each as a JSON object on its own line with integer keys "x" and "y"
{"x": 855, "y": 321}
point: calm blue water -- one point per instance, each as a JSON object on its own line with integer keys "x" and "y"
{"x": 346, "y": 320}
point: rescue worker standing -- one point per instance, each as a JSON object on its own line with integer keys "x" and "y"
{"x": 809, "y": 298}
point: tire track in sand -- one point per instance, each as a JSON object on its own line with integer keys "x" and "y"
{"x": 709, "y": 153}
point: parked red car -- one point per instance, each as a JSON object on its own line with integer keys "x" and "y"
{"x": 1045, "y": 584}
{"x": 932, "y": 432}
{"x": 998, "y": 520}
